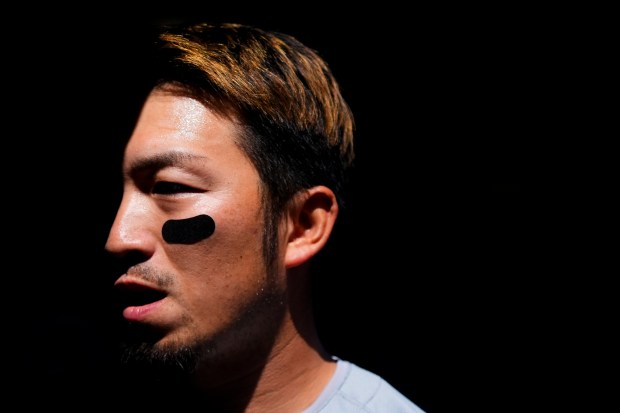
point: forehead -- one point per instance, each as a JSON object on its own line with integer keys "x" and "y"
{"x": 170, "y": 122}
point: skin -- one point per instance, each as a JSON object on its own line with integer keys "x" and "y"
{"x": 253, "y": 330}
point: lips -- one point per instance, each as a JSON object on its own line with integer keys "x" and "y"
{"x": 136, "y": 299}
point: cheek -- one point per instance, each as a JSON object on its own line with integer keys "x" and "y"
{"x": 228, "y": 244}
{"x": 223, "y": 244}
{"x": 225, "y": 268}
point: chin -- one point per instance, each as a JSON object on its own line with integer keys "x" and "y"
{"x": 155, "y": 362}
{"x": 151, "y": 348}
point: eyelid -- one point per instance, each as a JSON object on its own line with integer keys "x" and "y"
{"x": 171, "y": 188}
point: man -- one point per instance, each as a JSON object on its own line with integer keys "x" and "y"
{"x": 233, "y": 182}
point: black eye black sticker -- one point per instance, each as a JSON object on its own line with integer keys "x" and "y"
{"x": 188, "y": 230}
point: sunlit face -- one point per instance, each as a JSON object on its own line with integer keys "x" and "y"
{"x": 182, "y": 161}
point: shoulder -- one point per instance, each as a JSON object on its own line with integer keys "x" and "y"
{"x": 354, "y": 389}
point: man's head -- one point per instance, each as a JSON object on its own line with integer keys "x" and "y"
{"x": 297, "y": 128}
{"x": 232, "y": 177}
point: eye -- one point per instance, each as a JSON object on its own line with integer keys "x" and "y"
{"x": 168, "y": 188}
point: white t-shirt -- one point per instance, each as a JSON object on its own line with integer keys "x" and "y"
{"x": 354, "y": 389}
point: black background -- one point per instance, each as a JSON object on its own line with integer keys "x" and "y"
{"x": 457, "y": 271}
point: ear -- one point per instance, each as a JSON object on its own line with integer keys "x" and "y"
{"x": 311, "y": 218}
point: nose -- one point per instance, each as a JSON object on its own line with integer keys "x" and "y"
{"x": 133, "y": 230}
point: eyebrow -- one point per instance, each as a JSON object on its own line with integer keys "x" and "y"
{"x": 160, "y": 161}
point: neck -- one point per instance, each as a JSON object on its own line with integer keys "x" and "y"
{"x": 294, "y": 372}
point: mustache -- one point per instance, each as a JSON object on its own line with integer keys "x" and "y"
{"x": 150, "y": 274}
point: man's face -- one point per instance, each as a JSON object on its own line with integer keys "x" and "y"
{"x": 212, "y": 291}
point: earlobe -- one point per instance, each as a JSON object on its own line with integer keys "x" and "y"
{"x": 311, "y": 219}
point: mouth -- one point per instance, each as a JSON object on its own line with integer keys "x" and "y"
{"x": 136, "y": 295}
